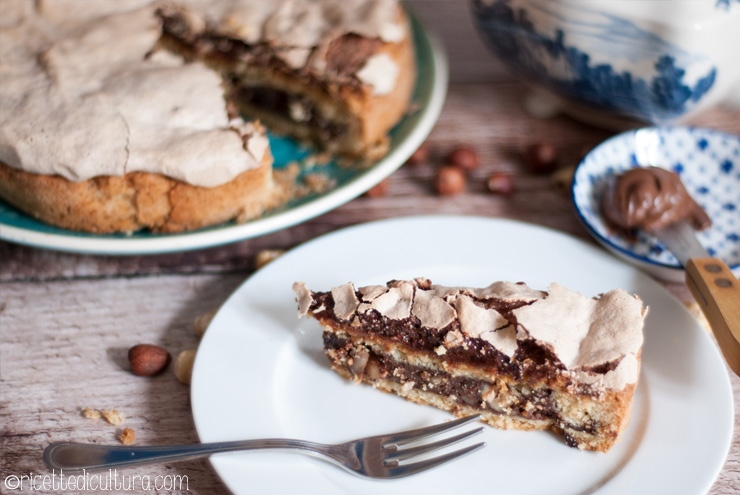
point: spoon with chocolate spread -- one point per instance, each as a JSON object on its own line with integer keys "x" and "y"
{"x": 651, "y": 198}
{"x": 655, "y": 200}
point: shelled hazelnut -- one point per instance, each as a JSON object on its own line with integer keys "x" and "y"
{"x": 500, "y": 183}
{"x": 542, "y": 158}
{"x": 419, "y": 156}
{"x": 450, "y": 180}
{"x": 464, "y": 157}
{"x": 379, "y": 190}
{"x": 184, "y": 365}
{"x": 201, "y": 322}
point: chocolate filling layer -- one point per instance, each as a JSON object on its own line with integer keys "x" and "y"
{"x": 291, "y": 106}
{"x": 346, "y": 55}
{"x": 364, "y": 363}
{"x": 531, "y": 362}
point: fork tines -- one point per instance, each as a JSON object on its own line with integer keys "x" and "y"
{"x": 395, "y": 454}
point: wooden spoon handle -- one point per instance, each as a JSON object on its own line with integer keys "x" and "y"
{"x": 717, "y": 291}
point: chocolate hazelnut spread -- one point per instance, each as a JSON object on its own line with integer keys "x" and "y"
{"x": 650, "y": 198}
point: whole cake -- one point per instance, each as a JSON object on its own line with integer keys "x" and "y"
{"x": 122, "y": 115}
{"x": 522, "y": 358}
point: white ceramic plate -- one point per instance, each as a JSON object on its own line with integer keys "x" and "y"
{"x": 708, "y": 163}
{"x": 260, "y": 371}
{"x": 405, "y": 138}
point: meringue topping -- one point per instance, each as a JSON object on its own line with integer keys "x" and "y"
{"x": 583, "y": 333}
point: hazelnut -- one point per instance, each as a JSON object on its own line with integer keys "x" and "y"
{"x": 542, "y": 158}
{"x": 372, "y": 369}
{"x": 148, "y": 359}
{"x": 419, "y": 156}
{"x": 184, "y": 366}
{"x": 202, "y": 322}
{"x": 380, "y": 190}
{"x": 562, "y": 179}
{"x": 500, "y": 183}
{"x": 450, "y": 181}
{"x": 464, "y": 157}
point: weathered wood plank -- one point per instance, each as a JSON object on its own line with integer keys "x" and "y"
{"x": 64, "y": 348}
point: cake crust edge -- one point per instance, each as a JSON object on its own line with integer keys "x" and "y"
{"x": 137, "y": 200}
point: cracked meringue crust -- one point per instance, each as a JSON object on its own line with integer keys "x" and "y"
{"x": 501, "y": 351}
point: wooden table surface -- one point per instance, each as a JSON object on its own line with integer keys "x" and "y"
{"x": 67, "y": 320}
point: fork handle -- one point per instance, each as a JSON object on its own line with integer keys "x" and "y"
{"x": 717, "y": 292}
{"x": 78, "y": 456}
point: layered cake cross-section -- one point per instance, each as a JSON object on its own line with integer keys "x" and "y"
{"x": 523, "y": 358}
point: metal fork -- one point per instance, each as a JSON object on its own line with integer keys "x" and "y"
{"x": 372, "y": 457}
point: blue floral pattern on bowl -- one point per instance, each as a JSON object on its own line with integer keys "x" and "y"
{"x": 661, "y": 91}
{"x": 708, "y": 163}
{"x": 725, "y": 4}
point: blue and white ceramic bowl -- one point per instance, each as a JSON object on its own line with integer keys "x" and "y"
{"x": 708, "y": 163}
{"x": 614, "y": 62}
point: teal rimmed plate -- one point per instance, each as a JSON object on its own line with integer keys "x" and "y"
{"x": 406, "y": 137}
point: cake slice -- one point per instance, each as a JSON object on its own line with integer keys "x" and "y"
{"x": 522, "y": 358}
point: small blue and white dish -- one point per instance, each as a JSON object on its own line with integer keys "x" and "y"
{"x": 708, "y": 163}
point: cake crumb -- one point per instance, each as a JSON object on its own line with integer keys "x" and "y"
{"x": 318, "y": 183}
{"x": 286, "y": 187}
{"x": 113, "y": 416}
{"x": 90, "y": 413}
{"x": 127, "y": 436}
{"x": 453, "y": 339}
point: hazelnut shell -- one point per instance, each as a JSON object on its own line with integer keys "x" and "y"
{"x": 148, "y": 359}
